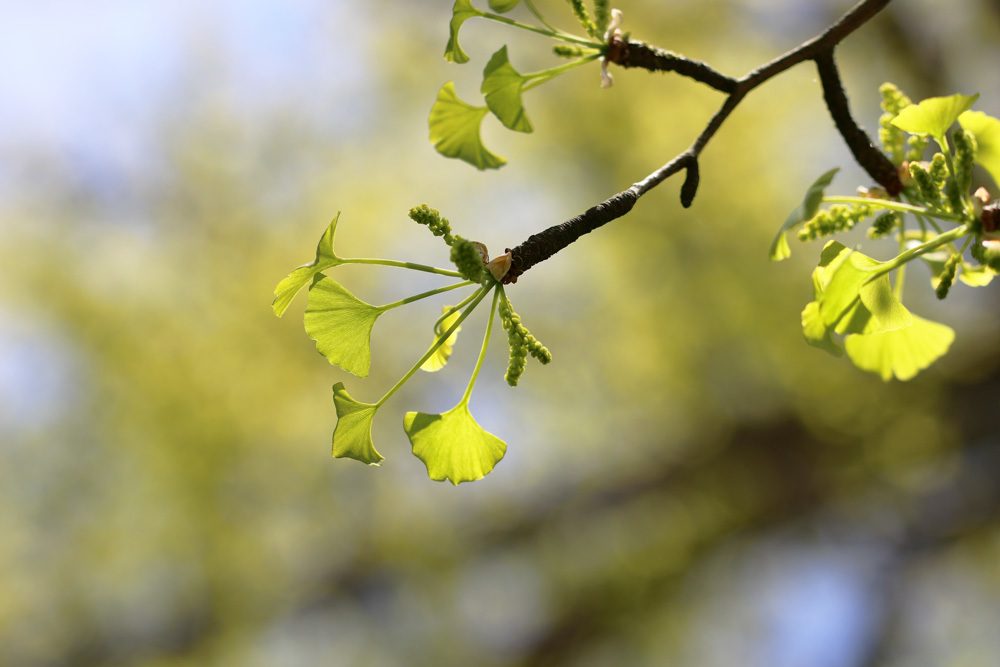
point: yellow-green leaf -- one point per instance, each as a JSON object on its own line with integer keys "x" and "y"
{"x": 296, "y": 280}
{"x": 454, "y": 130}
{"x": 341, "y": 324}
{"x": 804, "y": 211}
{"x": 502, "y": 85}
{"x": 934, "y": 115}
{"x": 987, "y": 132}
{"x": 880, "y": 300}
{"x": 900, "y": 353}
{"x": 352, "y": 437}
{"x": 847, "y": 273}
{"x": 453, "y": 445}
{"x": 442, "y": 354}
{"x": 817, "y": 333}
{"x": 461, "y": 12}
{"x": 976, "y": 276}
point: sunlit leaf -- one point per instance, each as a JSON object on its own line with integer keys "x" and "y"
{"x": 461, "y": 12}
{"x": 987, "y": 132}
{"x": 849, "y": 300}
{"x": 454, "y": 130}
{"x": 847, "y": 273}
{"x": 804, "y": 211}
{"x": 296, "y": 280}
{"x": 817, "y": 333}
{"x": 900, "y": 353}
{"x": 934, "y": 115}
{"x": 452, "y": 445}
{"x": 882, "y": 336}
{"x": 341, "y": 324}
{"x": 442, "y": 354}
{"x": 503, "y": 6}
{"x": 975, "y": 276}
{"x": 887, "y": 310}
{"x": 502, "y": 86}
{"x": 352, "y": 437}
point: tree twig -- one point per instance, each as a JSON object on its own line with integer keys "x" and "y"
{"x": 878, "y": 166}
{"x": 539, "y": 247}
{"x": 629, "y": 53}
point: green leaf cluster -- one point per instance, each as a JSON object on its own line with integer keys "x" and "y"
{"x": 452, "y": 445}
{"x": 854, "y": 298}
{"x": 455, "y": 125}
{"x": 856, "y": 308}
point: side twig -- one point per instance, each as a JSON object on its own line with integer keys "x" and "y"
{"x": 539, "y": 247}
{"x": 644, "y": 56}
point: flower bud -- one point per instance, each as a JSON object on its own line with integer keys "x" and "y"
{"x": 499, "y": 266}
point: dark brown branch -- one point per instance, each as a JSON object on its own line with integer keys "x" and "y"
{"x": 878, "y": 166}
{"x": 543, "y": 245}
{"x": 638, "y": 54}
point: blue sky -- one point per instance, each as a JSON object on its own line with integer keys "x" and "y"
{"x": 90, "y": 82}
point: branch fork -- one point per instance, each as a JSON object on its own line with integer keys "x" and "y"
{"x": 628, "y": 53}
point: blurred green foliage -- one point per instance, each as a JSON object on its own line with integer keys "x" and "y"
{"x": 685, "y": 467}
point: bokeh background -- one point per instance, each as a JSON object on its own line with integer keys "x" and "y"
{"x": 687, "y": 484}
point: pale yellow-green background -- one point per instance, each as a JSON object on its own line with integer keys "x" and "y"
{"x": 688, "y": 483}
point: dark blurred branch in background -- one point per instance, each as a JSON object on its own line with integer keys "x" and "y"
{"x": 539, "y": 247}
{"x": 747, "y": 483}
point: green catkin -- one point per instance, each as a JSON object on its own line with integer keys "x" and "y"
{"x": 602, "y": 14}
{"x": 884, "y": 225}
{"x": 432, "y": 219}
{"x": 917, "y": 146}
{"x": 965, "y": 155}
{"x": 837, "y": 218}
{"x": 939, "y": 171}
{"x": 956, "y": 202}
{"x": 893, "y": 139}
{"x": 465, "y": 255}
{"x": 927, "y": 189}
{"x": 521, "y": 343}
{"x": 583, "y": 16}
{"x": 947, "y": 276}
{"x": 894, "y": 100}
{"x": 518, "y": 350}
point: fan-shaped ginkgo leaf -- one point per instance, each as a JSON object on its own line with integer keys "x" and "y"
{"x": 352, "y": 437}
{"x": 986, "y": 129}
{"x": 341, "y": 324}
{"x": 934, "y": 115}
{"x": 804, "y": 211}
{"x": 461, "y": 12}
{"x": 454, "y": 130}
{"x": 439, "y": 358}
{"x": 453, "y": 445}
{"x": 502, "y": 85}
{"x": 296, "y": 280}
{"x": 900, "y": 353}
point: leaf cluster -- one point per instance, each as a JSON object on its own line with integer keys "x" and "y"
{"x": 455, "y": 124}
{"x": 451, "y": 444}
{"x": 936, "y": 219}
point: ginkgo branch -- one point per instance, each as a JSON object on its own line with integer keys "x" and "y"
{"x": 539, "y": 247}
